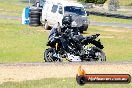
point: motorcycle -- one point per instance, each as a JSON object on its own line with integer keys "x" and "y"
{"x": 77, "y": 50}
{"x": 92, "y": 49}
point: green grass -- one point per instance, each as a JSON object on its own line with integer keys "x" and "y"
{"x": 12, "y": 7}
{"x": 109, "y": 19}
{"x": 117, "y": 48}
{"x": 125, "y": 2}
{"x": 21, "y": 43}
{"x": 59, "y": 83}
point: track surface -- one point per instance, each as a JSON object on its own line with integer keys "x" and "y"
{"x": 36, "y": 71}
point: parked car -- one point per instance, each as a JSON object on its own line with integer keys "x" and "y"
{"x": 54, "y": 10}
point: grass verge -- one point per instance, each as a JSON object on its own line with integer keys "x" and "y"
{"x": 21, "y": 43}
{"x": 59, "y": 83}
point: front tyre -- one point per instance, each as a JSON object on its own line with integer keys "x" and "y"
{"x": 50, "y": 55}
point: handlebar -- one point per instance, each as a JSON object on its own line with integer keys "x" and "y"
{"x": 95, "y": 36}
{"x": 92, "y": 37}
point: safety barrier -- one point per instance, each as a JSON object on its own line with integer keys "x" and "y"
{"x": 109, "y": 15}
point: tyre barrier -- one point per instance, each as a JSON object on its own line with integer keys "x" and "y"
{"x": 109, "y": 15}
{"x": 34, "y": 16}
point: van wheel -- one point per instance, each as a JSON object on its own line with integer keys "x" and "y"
{"x": 46, "y": 26}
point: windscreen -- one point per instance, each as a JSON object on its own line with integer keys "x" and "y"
{"x": 74, "y": 9}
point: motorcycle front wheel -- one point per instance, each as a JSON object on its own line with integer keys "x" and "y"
{"x": 50, "y": 55}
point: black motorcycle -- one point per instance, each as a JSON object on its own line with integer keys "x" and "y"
{"x": 83, "y": 49}
{"x": 91, "y": 49}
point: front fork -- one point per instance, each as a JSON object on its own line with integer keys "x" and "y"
{"x": 56, "y": 54}
{"x": 56, "y": 46}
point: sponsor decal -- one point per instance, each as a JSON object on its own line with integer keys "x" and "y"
{"x": 83, "y": 78}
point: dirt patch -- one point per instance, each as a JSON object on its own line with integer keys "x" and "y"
{"x": 108, "y": 36}
{"x": 1, "y": 9}
{"x": 48, "y": 31}
{"x": 37, "y": 72}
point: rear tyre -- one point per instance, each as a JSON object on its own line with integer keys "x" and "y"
{"x": 100, "y": 55}
{"x": 34, "y": 16}
{"x": 35, "y": 9}
{"x": 34, "y": 19}
{"x": 34, "y": 24}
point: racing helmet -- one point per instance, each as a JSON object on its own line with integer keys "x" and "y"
{"x": 67, "y": 21}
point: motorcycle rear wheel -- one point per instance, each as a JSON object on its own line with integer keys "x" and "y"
{"x": 100, "y": 55}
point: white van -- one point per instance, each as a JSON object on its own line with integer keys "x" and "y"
{"x": 54, "y": 10}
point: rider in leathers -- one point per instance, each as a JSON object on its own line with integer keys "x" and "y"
{"x": 58, "y": 31}
{"x": 66, "y": 25}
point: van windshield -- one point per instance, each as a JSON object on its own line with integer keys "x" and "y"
{"x": 76, "y": 10}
